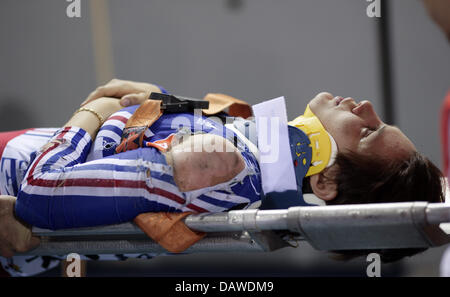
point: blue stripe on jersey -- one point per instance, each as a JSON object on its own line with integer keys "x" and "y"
{"x": 113, "y": 129}
{"x": 120, "y": 168}
{"x": 146, "y": 153}
{"x": 249, "y": 188}
{"x": 14, "y": 177}
{"x": 94, "y": 167}
{"x": 54, "y": 159}
{"x": 74, "y": 143}
{"x": 60, "y": 212}
{"x": 163, "y": 177}
{"x": 217, "y": 202}
{"x": 38, "y": 135}
{"x": 82, "y": 156}
{"x": 78, "y": 135}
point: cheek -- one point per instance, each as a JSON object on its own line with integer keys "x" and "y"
{"x": 346, "y": 132}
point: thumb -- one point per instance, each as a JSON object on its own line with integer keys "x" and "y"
{"x": 35, "y": 241}
{"x": 133, "y": 99}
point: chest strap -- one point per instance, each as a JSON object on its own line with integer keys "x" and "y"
{"x": 134, "y": 131}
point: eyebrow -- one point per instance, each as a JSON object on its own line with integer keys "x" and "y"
{"x": 379, "y": 132}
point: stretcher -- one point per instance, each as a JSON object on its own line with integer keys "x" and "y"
{"x": 328, "y": 228}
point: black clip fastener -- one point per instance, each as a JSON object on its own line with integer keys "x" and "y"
{"x": 171, "y": 103}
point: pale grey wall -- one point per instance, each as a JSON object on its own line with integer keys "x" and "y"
{"x": 262, "y": 50}
{"x": 421, "y": 64}
{"x": 46, "y": 63}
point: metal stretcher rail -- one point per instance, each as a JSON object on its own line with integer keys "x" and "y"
{"x": 343, "y": 227}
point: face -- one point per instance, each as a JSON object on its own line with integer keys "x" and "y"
{"x": 356, "y": 127}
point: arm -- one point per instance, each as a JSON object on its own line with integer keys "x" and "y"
{"x": 88, "y": 119}
{"x": 129, "y": 92}
{"x": 60, "y": 192}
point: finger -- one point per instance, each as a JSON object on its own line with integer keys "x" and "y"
{"x": 21, "y": 238}
{"x": 102, "y": 91}
{"x": 97, "y": 92}
{"x": 133, "y": 99}
{"x": 29, "y": 245}
{"x": 25, "y": 246}
{"x": 35, "y": 241}
{"x": 6, "y": 251}
{"x": 113, "y": 89}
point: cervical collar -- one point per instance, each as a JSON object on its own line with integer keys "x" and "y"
{"x": 324, "y": 148}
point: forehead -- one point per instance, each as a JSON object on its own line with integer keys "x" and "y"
{"x": 389, "y": 142}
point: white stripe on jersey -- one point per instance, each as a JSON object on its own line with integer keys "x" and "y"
{"x": 228, "y": 197}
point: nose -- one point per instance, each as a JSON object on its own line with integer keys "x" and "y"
{"x": 366, "y": 111}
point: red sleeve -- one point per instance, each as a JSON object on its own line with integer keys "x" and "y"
{"x": 7, "y": 136}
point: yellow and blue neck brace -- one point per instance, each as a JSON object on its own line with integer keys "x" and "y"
{"x": 312, "y": 149}
{"x": 323, "y": 146}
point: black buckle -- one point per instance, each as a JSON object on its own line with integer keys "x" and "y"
{"x": 171, "y": 103}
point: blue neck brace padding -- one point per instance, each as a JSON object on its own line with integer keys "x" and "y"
{"x": 301, "y": 155}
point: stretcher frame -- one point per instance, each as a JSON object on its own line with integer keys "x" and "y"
{"x": 342, "y": 227}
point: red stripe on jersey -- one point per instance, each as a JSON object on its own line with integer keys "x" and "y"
{"x": 104, "y": 183}
{"x": 119, "y": 118}
{"x": 196, "y": 208}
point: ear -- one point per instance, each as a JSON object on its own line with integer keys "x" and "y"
{"x": 324, "y": 187}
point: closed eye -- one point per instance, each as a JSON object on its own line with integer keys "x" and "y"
{"x": 366, "y": 132}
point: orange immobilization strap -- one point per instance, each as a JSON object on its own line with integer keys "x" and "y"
{"x": 220, "y": 102}
{"x": 134, "y": 131}
{"x": 169, "y": 230}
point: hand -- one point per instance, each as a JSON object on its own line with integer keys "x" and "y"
{"x": 14, "y": 235}
{"x": 129, "y": 92}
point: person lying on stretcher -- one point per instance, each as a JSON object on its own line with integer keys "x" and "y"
{"x": 77, "y": 179}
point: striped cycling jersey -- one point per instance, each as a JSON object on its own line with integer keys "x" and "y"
{"x": 73, "y": 182}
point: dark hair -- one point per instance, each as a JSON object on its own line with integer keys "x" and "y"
{"x": 371, "y": 179}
